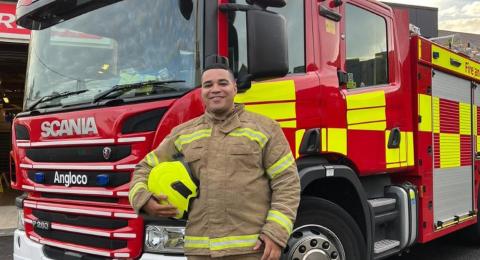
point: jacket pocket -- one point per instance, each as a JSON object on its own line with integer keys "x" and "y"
{"x": 194, "y": 152}
{"x": 193, "y": 155}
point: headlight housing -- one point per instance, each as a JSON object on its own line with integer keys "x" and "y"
{"x": 20, "y": 221}
{"x": 163, "y": 239}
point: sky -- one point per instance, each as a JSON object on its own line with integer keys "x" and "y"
{"x": 453, "y": 15}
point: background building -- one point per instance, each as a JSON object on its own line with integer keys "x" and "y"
{"x": 13, "y": 63}
{"x": 426, "y": 18}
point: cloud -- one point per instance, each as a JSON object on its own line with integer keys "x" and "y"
{"x": 451, "y": 12}
{"x": 472, "y": 10}
{"x": 467, "y": 25}
{"x": 429, "y": 3}
{"x": 453, "y": 15}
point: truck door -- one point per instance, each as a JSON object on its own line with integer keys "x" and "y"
{"x": 379, "y": 115}
{"x": 453, "y": 147}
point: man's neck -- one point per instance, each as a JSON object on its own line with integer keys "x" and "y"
{"x": 221, "y": 116}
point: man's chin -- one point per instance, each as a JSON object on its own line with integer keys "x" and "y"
{"x": 217, "y": 111}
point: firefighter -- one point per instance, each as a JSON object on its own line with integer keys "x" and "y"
{"x": 248, "y": 182}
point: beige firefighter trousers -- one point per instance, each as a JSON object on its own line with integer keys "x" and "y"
{"x": 256, "y": 256}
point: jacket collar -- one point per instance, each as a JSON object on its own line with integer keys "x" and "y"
{"x": 228, "y": 124}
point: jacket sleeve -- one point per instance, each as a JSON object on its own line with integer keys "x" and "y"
{"x": 139, "y": 194}
{"x": 281, "y": 169}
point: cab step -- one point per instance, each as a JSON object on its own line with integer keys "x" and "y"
{"x": 381, "y": 205}
{"x": 385, "y": 245}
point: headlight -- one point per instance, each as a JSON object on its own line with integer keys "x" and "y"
{"x": 20, "y": 222}
{"x": 160, "y": 239}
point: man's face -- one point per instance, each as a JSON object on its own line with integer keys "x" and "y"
{"x": 218, "y": 91}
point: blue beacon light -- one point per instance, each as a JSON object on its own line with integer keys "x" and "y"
{"x": 103, "y": 179}
{"x": 39, "y": 177}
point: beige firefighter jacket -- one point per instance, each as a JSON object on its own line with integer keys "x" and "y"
{"x": 248, "y": 182}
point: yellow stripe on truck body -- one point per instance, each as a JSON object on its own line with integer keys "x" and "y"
{"x": 275, "y": 100}
{"x": 465, "y": 118}
{"x": 453, "y": 62}
{"x": 403, "y": 155}
{"x": 425, "y": 112}
{"x": 449, "y": 150}
{"x": 268, "y": 92}
{"x": 284, "y": 110}
{"x": 366, "y": 111}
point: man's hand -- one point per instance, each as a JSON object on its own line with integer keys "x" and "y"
{"x": 158, "y": 206}
{"x": 272, "y": 251}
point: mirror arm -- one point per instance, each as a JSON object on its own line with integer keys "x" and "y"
{"x": 244, "y": 82}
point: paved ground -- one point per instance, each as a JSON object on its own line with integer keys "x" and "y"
{"x": 8, "y": 212}
{"x": 8, "y": 222}
{"x": 6, "y": 248}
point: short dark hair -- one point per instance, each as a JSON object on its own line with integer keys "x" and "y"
{"x": 217, "y": 62}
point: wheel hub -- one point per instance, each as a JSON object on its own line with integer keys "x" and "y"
{"x": 313, "y": 242}
{"x": 316, "y": 254}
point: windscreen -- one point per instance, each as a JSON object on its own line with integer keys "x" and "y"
{"x": 121, "y": 44}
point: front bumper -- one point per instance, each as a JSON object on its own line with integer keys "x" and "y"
{"x": 26, "y": 249}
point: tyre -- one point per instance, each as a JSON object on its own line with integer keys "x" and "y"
{"x": 324, "y": 231}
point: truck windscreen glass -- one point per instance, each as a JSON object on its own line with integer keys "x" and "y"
{"x": 128, "y": 42}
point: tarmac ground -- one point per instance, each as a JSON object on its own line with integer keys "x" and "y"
{"x": 8, "y": 222}
{"x": 8, "y": 212}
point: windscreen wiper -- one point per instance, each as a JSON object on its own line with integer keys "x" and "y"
{"x": 124, "y": 87}
{"x": 55, "y": 96}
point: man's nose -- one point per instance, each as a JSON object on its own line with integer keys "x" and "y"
{"x": 215, "y": 87}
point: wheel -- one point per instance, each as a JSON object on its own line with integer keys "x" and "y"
{"x": 324, "y": 231}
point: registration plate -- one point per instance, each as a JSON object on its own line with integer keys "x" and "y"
{"x": 41, "y": 224}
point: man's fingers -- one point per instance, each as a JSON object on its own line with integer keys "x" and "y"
{"x": 161, "y": 197}
{"x": 275, "y": 254}
{"x": 267, "y": 251}
{"x": 257, "y": 245}
{"x": 165, "y": 207}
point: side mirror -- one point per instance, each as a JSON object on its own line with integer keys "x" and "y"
{"x": 267, "y": 44}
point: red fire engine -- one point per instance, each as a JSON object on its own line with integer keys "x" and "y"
{"x": 383, "y": 123}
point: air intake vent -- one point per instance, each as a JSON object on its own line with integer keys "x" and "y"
{"x": 79, "y": 154}
{"x": 148, "y": 121}
{"x": 21, "y": 132}
{"x": 78, "y": 220}
{"x": 81, "y": 239}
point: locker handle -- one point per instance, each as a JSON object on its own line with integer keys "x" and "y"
{"x": 394, "y": 138}
{"x": 455, "y": 63}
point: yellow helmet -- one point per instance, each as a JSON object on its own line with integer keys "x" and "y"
{"x": 175, "y": 180}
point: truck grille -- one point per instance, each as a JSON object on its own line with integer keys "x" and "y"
{"x": 79, "y": 198}
{"x": 79, "y": 154}
{"x": 92, "y": 232}
{"x": 79, "y": 220}
{"x": 84, "y": 240}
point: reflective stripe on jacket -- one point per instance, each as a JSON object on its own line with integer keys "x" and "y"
{"x": 249, "y": 183}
